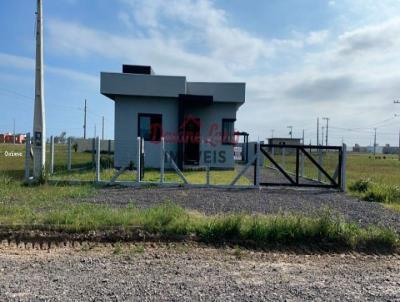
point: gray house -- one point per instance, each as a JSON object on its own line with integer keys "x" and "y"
{"x": 196, "y": 119}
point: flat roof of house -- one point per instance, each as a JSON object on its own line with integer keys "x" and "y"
{"x": 141, "y": 81}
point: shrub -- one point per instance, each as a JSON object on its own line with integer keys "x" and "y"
{"x": 361, "y": 185}
{"x": 374, "y": 192}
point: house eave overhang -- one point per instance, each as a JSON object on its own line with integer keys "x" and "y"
{"x": 127, "y": 84}
{"x": 113, "y": 85}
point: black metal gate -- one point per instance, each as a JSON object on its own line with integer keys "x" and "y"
{"x": 334, "y": 181}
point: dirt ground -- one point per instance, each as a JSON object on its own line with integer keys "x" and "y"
{"x": 189, "y": 272}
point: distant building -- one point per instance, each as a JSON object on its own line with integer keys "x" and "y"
{"x": 368, "y": 149}
{"x": 8, "y": 138}
{"x": 284, "y": 141}
{"x": 390, "y": 149}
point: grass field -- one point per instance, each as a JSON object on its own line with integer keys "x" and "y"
{"x": 359, "y": 166}
{"x": 53, "y": 205}
{"x": 193, "y": 177}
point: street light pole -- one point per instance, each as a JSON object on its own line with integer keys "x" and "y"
{"x": 291, "y": 131}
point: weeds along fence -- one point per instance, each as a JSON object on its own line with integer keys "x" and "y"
{"x": 151, "y": 164}
{"x": 94, "y": 161}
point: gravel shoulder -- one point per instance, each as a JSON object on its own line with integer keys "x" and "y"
{"x": 162, "y": 272}
{"x": 268, "y": 201}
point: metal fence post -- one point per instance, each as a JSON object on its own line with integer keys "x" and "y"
{"x": 258, "y": 163}
{"x": 93, "y": 152}
{"x": 98, "y": 155}
{"x": 302, "y": 164}
{"x": 138, "y": 167}
{"x": 162, "y": 160}
{"x": 69, "y": 154}
{"x": 27, "y": 155}
{"x": 343, "y": 167}
{"x": 52, "y": 155}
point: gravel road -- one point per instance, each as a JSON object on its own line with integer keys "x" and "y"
{"x": 212, "y": 201}
{"x": 160, "y": 272}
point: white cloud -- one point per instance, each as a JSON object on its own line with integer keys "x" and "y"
{"x": 317, "y": 37}
{"x": 125, "y": 19}
{"x": 25, "y": 63}
{"x": 351, "y": 76}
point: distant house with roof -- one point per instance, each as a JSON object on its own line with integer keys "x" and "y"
{"x": 8, "y": 138}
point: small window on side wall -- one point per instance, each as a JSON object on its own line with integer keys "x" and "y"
{"x": 150, "y": 126}
{"x": 228, "y": 131}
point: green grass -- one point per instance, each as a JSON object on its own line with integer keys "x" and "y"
{"x": 193, "y": 177}
{"x": 55, "y": 207}
{"x": 172, "y": 220}
{"x": 381, "y": 171}
{"x": 14, "y": 166}
{"x": 369, "y": 190}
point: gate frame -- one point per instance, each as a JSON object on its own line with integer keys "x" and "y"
{"x": 339, "y": 173}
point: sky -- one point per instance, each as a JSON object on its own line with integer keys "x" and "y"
{"x": 300, "y": 59}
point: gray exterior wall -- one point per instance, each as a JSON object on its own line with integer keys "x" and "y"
{"x": 126, "y": 128}
{"x": 211, "y": 120}
{"x": 143, "y": 93}
{"x": 221, "y": 92}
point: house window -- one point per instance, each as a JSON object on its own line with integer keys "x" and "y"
{"x": 228, "y": 131}
{"x": 150, "y": 126}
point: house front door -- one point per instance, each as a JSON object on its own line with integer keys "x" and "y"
{"x": 191, "y": 155}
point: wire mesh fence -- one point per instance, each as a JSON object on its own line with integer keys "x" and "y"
{"x": 140, "y": 162}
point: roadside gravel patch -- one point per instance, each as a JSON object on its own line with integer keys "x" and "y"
{"x": 267, "y": 201}
{"x": 192, "y": 273}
